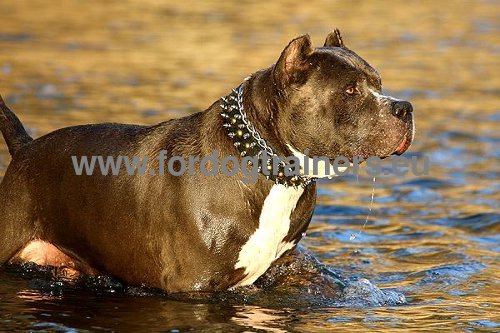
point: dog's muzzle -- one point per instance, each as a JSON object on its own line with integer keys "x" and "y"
{"x": 404, "y": 111}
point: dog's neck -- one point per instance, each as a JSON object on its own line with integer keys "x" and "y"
{"x": 261, "y": 106}
{"x": 239, "y": 121}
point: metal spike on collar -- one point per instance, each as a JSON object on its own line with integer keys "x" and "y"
{"x": 247, "y": 139}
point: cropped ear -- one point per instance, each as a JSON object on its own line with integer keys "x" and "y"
{"x": 293, "y": 60}
{"x": 334, "y": 39}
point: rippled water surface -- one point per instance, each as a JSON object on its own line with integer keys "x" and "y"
{"x": 434, "y": 238}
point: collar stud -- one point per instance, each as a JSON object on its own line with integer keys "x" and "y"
{"x": 248, "y": 141}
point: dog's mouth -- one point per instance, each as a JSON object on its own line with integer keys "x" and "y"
{"x": 403, "y": 145}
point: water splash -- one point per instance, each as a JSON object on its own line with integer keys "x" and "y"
{"x": 353, "y": 236}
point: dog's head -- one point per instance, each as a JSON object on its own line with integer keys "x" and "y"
{"x": 331, "y": 103}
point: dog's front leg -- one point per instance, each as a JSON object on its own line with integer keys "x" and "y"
{"x": 297, "y": 270}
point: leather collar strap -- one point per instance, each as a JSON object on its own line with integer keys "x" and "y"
{"x": 249, "y": 142}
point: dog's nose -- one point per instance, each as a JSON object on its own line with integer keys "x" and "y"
{"x": 402, "y": 109}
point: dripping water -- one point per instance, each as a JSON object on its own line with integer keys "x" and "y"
{"x": 353, "y": 236}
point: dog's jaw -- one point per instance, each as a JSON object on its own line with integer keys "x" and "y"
{"x": 321, "y": 172}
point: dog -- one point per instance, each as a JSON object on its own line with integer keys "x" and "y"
{"x": 192, "y": 232}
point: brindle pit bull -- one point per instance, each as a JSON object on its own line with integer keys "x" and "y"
{"x": 193, "y": 232}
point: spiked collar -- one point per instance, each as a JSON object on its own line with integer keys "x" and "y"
{"x": 249, "y": 142}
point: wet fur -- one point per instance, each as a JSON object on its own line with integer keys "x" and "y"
{"x": 185, "y": 233}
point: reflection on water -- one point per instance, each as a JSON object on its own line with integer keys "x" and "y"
{"x": 433, "y": 238}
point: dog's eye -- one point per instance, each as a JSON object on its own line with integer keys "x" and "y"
{"x": 351, "y": 91}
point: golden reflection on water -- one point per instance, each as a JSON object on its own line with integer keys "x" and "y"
{"x": 111, "y": 61}
{"x": 71, "y": 62}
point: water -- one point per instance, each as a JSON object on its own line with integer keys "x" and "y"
{"x": 434, "y": 238}
{"x": 370, "y": 208}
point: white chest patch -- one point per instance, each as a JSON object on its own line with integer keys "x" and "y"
{"x": 266, "y": 245}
